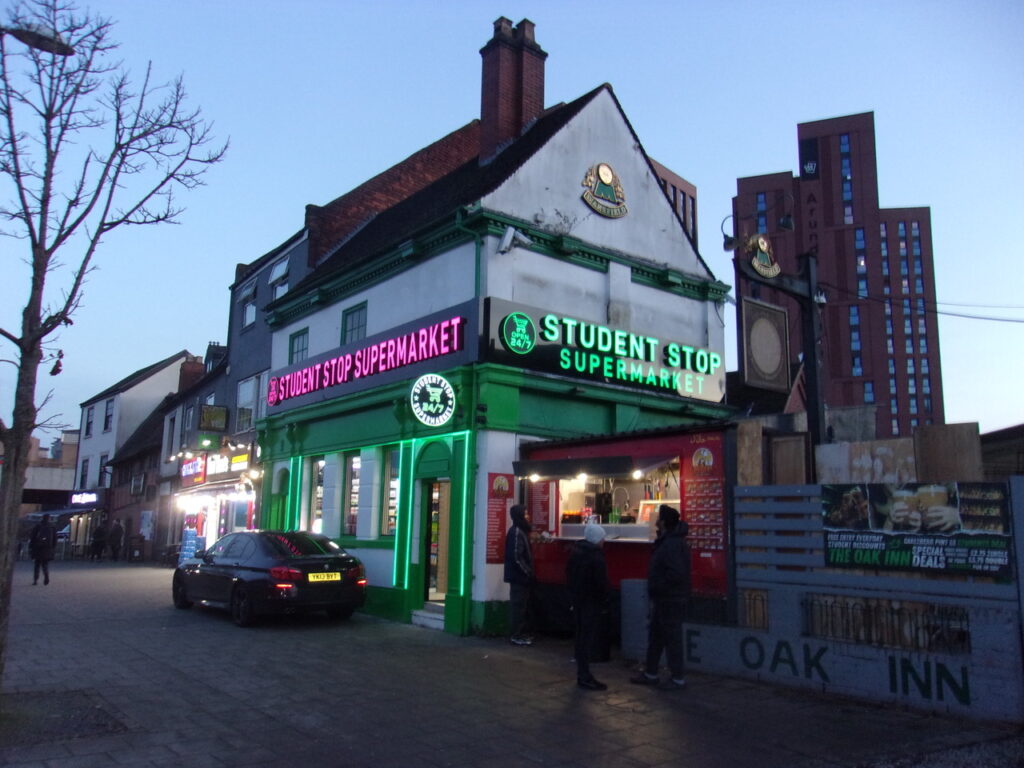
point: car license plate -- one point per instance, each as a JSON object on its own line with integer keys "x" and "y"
{"x": 327, "y": 576}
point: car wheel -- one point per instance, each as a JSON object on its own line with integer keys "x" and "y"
{"x": 340, "y": 612}
{"x": 242, "y": 611}
{"x": 179, "y": 594}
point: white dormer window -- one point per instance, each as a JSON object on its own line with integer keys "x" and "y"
{"x": 279, "y": 278}
{"x": 247, "y": 299}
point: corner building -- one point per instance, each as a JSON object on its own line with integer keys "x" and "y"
{"x": 880, "y": 336}
{"x": 528, "y": 280}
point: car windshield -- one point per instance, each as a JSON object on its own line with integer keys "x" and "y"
{"x": 298, "y": 544}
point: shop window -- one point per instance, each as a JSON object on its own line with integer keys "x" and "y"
{"x": 316, "y": 495}
{"x": 298, "y": 346}
{"x": 389, "y": 506}
{"x": 350, "y": 495}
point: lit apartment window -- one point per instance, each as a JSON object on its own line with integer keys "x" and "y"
{"x": 854, "y": 315}
{"x": 905, "y": 285}
{"x": 298, "y": 346}
{"x": 855, "y": 340}
{"x": 915, "y": 228}
{"x": 888, "y": 307}
{"x": 857, "y": 369}
{"x": 847, "y": 214}
{"x": 862, "y": 288}
{"x": 844, "y": 167}
{"x": 862, "y": 264}
{"x": 847, "y": 191}
{"x": 869, "y": 392}
{"x": 353, "y": 324}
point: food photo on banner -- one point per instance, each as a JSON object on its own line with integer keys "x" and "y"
{"x": 953, "y": 527}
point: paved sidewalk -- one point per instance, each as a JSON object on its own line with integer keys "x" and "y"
{"x": 103, "y": 671}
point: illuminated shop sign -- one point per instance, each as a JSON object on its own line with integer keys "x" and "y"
{"x": 84, "y": 498}
{"x": 427, "y": 342}
{"x": 573, "y": 347}
{"x": 193, "y": 471}
{"x": 433, "y": 400}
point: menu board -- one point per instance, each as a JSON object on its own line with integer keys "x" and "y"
{"x": 499, "y": 499}
{"x": 949, "y": 527}
{"x": 702, "y": 471}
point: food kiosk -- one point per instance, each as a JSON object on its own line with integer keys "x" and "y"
{"x": 619, "y": 481}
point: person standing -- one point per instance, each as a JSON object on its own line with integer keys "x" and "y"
{"x": 41, "y": 544}
{"x": 114, "y": 539}
{"x": 519, "y": 576}
{"x": 99, "y": 541}
{"x": 587, "y": 576}
{"x": 668, "y": 586}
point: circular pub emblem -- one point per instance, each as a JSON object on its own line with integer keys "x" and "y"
{"x": 518, "y": 333}
{"x": 433, "y": 400}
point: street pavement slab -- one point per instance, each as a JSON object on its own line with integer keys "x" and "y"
{"x": 102, "y": 670}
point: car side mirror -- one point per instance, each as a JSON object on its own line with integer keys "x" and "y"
{"x": 200, "y": 554}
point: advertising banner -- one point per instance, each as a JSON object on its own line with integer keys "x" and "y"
{"x": 702, "y": 471}
{"x": 960, "y": 528}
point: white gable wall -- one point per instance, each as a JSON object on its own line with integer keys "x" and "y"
{"x": 546, "y": 190}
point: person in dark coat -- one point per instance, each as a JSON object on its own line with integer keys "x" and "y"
{"x": 114, "y": 539}
{"x": 587, "y": 576}
{"x": 99, "y": 541}
{"x": 41, "y": 544}
{"x": 668, "y": 586}
{"x": 519, "y": 576}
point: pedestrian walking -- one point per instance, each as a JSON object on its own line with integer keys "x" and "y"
{"x": 668, "y": 586}
{"x": 41, "y": 545}
{"x": 519, "y": 576}
{"x": 114, "y": 539}
{"x": 99, "y": 542}
{"x": 587, "y": 577}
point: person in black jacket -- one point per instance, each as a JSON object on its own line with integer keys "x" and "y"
{"x": 114, "y": 539}
{"x": 668, "y": 586}
{"x": 519, "y": 575}
{"x": 587, "y": 576}
{"x": 41, "y": 544}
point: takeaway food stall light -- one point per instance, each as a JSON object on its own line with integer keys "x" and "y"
{"x": 582, "y": 477}
{"x": 637, "y": 474}
{"x": 534, "y": 477}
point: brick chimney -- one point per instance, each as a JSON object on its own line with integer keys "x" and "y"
{"x": 512, "y": 86}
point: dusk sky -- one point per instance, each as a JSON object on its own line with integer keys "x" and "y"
{"x": 318, "y": 96}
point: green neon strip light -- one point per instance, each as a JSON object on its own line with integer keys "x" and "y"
{"x": 465, "y": 494}
{"x": 408, "y": 535}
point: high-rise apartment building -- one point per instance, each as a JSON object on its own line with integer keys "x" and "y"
{"x": 879, "y": 336}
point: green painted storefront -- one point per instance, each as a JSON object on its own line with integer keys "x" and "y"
{"x": 489, "y": 398}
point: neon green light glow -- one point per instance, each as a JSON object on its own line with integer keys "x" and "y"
{"x": 470, "y": 449}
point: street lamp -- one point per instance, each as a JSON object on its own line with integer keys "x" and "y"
{"x": 39, "y": 37}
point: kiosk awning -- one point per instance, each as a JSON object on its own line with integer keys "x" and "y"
{"x": 607, "y": 466}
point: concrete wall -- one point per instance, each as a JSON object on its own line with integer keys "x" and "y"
{"x": 780, "y": 559}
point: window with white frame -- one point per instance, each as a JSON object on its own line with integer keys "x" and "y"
{"x": 279, "y": 278}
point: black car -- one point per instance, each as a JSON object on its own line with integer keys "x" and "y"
{"x": 261, "y": 572}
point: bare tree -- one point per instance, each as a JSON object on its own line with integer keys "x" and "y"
{"x": 83, "y": 150}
